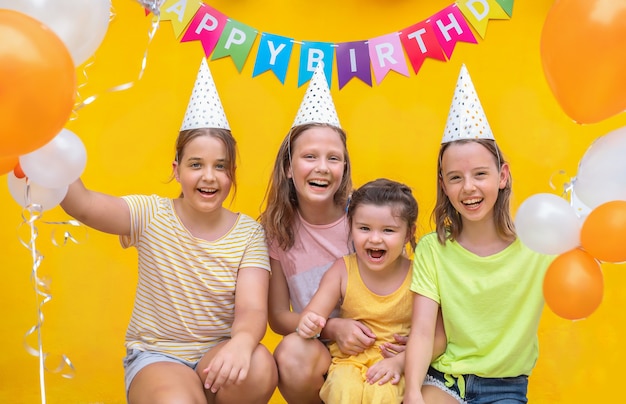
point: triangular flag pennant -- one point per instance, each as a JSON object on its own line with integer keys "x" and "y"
{"x": 450, "y": 28}
{"x": 207, "y": 27}
{"x": 479, "y": 12}
{"x": 236, "y": 42}
{"x": 179, "y": 13}
{"x": 507, "y": 6}
{"x": 274, "y": 53}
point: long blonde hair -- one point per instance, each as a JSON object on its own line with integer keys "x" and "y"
{"x": 448, "y": 221}
{"x": 281, "y": 197}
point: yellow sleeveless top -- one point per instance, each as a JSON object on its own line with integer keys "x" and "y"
{"x": 384, "y": 315}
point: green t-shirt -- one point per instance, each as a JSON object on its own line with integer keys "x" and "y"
{"x": 491, "y": 305}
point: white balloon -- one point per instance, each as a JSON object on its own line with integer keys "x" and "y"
{"x": 546, "y": 223}
{"x": 81, "y": 24}
{"x": 601, "y": 173}
{"x": 580, "y": 208}
{"x": 48, "y": 198}
{"x": 57, "y": 163}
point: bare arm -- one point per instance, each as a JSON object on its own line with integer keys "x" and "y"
{"x": 251, "y": 305}
{"x": 419, "y": 350}
{"x": 281, "y": 319}
{"x": 351, "y": 335}
{"x": 99, "y": 211}
{"x": 441, "y": 340}
{"x": 313, "y": 317}
{"x": 232, "y": 362}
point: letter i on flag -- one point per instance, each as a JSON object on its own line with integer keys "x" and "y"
{"x": 353, "y": 60}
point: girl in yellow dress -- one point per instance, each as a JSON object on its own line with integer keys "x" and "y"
{"x": 373, "y": 288}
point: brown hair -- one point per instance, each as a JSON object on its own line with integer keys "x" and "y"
{"x": 230, "y": 144}
{"x": 448, "y": 221}
{"x": 279, "y": 215}
{"x": 383, "y": 192}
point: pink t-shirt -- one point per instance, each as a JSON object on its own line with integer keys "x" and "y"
{"x": 315, "y": 249}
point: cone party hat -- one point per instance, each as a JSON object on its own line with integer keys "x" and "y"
{"x": 205, "y": 108}
{"x": 466, "y": 118}
{"x": 317, "y": 105}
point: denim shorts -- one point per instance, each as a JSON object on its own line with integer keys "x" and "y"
{"x": 136, "y": 360}
{"x": 473, "y": 389}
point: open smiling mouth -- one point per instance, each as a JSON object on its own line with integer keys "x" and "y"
{"x": 376, "y": 254}
{"x": 472, "y": 202}
{"x": 319, "y": 184}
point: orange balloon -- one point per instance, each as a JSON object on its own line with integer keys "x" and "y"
{"x": 17, "y": 171}
{"x": 584, "y": 59}
{"x": 573, "y": 285}
{"x": 8, "y": 163}
{"x": 603, "y": 234}
{"x": 37, "y": 84}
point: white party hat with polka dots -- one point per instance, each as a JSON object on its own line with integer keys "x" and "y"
{"x": 317, "y": 105}
{"x": 466, "y": 118}
{"x": 205, "y": 108}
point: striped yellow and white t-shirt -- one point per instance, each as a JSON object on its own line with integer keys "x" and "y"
{"x": 185, "y": 298}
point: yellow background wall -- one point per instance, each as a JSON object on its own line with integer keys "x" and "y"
{"x": 394, "y": 131}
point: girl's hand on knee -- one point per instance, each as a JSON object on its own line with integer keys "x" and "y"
{"x": 384, "y": 371}
{"x": 230, "y": 366}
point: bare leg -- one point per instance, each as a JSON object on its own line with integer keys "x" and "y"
{"x": 258, "y": 386}
{"x": 166, "y": 382}
{"x": 302, "y": 364}
{"x": 434, "y": 395}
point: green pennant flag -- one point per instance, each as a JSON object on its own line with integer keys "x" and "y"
{"x": 507, "y": 6}
{"x": 236, "y": 41}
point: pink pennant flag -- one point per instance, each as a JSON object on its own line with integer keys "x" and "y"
{"x": 386, "y": 54}
{"x": 450, "y": 27}
{"x": 207, "y": 26}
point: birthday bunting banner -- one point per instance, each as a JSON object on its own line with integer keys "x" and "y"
{"x": 434, "y": 37}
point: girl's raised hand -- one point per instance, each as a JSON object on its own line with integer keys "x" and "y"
{"x": 310, "y": 325}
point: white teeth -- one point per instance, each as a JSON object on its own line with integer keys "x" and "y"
{"x": 319, "y": 183}
{"x": 471, "y": 201}
{"x": 207, "y": 190}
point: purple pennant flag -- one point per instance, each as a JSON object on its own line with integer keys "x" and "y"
{"x": 353, "y": 60}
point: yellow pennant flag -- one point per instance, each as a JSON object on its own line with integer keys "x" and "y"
{"x": 479, "y": 12}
